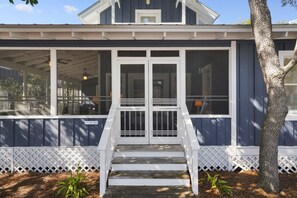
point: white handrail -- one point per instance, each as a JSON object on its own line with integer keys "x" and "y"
{"x": 191, "y": 146}
{"x": 106, "y": 147}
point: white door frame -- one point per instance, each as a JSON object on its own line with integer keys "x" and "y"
{"x": 133, "y": 140}
{"x": 148, "y": 106}
{"x": 162, "y": 140}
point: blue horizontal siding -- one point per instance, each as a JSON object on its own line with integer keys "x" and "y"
{"x": 213, "y": 131}
{"x": 50, "y": 132}
{"x": 252, "y": 98}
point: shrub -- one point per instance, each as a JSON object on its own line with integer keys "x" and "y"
{"x": 219, "y": 184}
{"x": 73, "y": 186}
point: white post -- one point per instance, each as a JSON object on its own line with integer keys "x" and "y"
{"x": 182, "y": 73}
{"x": 99, "y": 82}
{"x": 195, "y": 172}
{"x": 116, "y": 78}
{"x": 53, "y": 79}
{"x": 102, "y": 173}
{"x": 12, "y": 160}
{"x": 25, "y": 86}
{"x": 47, "y": 90}
{"x": 233, "y": 100}
{"x": 183, "y": 19}
{"x": 232, "y": 88}
{"x": 112, "y": 11}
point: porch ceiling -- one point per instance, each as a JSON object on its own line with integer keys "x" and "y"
{"x": 71, "y": 64}
{"x": 139, "y": 32}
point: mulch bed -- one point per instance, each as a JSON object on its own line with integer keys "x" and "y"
{"x": 44, "y": 185}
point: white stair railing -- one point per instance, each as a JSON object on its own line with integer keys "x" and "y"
{"x": 107, "y": 145}
{"x": 190, "y": 144}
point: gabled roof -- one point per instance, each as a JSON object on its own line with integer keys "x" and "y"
{"x": 91, "y": 15}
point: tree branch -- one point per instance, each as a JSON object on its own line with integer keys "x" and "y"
{"x": 293, "y": 62}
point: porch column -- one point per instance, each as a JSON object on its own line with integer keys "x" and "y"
{"x": 183, "y": 19}
{"x": 112, "y": 11}
{"x": 53, "y": 76}
{"x": 99, "y": 83}
{"x": 115, "y": 79}
{"x": 47, "y": 90}
{"x": 232, "y": 88}
{"x": 182, "y": 74}
{"x": 25, "y": 87}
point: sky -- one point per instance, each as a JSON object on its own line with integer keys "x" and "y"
{"x": 65, "y": 11}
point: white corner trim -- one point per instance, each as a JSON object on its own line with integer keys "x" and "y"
{"x": 53, "y": 79}
{"x": 233, "y": 94}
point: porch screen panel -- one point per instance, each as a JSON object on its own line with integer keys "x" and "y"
{"x": 24, "y": 82}
{"x": 164, "y": 85}
{"x": 132, "y": 97}
{"x": 84, "y": 82}
{"x": 207, "y": 81}
{"x": 132, "y": 85}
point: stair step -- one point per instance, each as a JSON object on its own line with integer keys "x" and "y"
{"x": 150, "y": 148}
{"x": 150, "y": 167}
{"x": 149, "y": 174}
{"x": 168, "y": 164}
{"x": 149, "y": 160}
{"x": 149, "y": 154}
{"x": 157, "y": 150}
{"x": 149, "y": 178}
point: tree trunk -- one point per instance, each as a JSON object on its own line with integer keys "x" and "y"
{"x": 277, "y": 105}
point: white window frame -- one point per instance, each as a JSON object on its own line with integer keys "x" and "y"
{"x": 149, "y": 13}
{"x": 282, "y": 56}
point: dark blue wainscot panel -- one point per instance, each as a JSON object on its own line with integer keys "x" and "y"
{"x": 6, "y": 132}
{"x": 51, "y": 132}
{"x": 213, "y": 131}
{"x": 36, "y": 132}
{"x": 21, "y": 132}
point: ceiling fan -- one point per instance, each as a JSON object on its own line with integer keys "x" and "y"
{"x": 64, "y": 61}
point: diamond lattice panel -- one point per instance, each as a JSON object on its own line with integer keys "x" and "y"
{"x": 5, "y": 159}
{"x": 55, "y": 159}
{"x": 287, "y": 164}
{"x": 245, "y": 162}
{"x": 212, "y": 158}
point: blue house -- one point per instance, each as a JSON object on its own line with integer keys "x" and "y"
{"x": 140, "y": 85}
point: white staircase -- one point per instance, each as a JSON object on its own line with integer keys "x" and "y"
{"x": 124, "y": 166}
{"x": 149, "y": 165}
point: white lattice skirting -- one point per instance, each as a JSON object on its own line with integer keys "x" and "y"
{"x": 224, "y": 158}
{"x": 48, "y": 159}
{"x": 56, "y": 159}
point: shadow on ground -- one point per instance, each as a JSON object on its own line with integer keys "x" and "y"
{"x": 33, "y": 185}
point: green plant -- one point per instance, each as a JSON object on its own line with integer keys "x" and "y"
{"x": 219, "y": 184}
{"x": 73, "y": 186}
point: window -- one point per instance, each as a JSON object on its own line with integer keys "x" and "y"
{"x": 207, "y": 81}
{"x": 290, "y": 82}
{"x": 148, "y": 16}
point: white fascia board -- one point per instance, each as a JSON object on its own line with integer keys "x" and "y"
{"x": 92, "y": 14}
{"x": 215, "y": 32}
{"x": 90, "y": 9}
{"x": 207, "y": 15}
